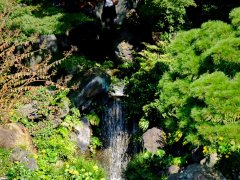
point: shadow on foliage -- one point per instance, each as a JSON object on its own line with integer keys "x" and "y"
{"x": 206, "y": 10}
{"x": 229, "y": 165}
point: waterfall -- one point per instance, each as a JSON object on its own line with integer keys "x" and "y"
{"x": 115, "y": 138}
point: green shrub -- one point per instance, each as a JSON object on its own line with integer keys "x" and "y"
{"x": 235, "y": 18}
{"x": 142, "y": 85}
{"x": 195, "y": 97}
{"x": 164, "y": 16}
{"x": 76, "y": 64}
{"x": 147, "y": 166}
{"x": 200, "y": 90}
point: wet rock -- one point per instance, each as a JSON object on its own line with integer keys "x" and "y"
{"x": 117, "y": 90}
{"x": 15, "y": 135}
{"x": 198, "y": 172}
{"x": 153, "y": 139}
{"x": 94, "y": 87}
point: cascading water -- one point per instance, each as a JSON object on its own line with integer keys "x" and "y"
{"x": 115, "y": 138}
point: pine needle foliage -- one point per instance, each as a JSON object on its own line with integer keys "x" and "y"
{"x": 197, "y": 97}
{"x": 201, "y": 89}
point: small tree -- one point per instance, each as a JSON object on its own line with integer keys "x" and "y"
{"x": 16, "y": 77}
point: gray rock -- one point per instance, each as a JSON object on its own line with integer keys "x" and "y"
{"x": 49, "y": 42}
{"x": 173, "y": 169}
{"x": 23, "y": 156}
{"x": 198, "y": 172}
{"x": 95, "y": 86}
{"x": 64, "y": 109}
{"x": 18, "y": 154}
{"x": 117, "y": 90}
{"x": 153, "y": 139}
{"x": 124, "y": 51}
{"x": 29, "y": 110}
{"x": 210, "y": 160}
{"x": 82, "y": 135}
{"x": 123, "y": 47}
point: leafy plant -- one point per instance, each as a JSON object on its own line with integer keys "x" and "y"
{"x": 94, "y": 144}
{"x": 146, "y": 165}
{"x": 5, "y": 162}
{"x": 93, "y": 119}
{"x": 142, "y": 85}
{"x": 57, "y": 156}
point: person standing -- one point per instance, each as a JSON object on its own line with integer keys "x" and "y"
{"x": 109, "y": 13}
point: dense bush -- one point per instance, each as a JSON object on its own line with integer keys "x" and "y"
{"x": 201, "y": 87}
{"x": 164, "y": 16}
{"x": 197, "y": 97}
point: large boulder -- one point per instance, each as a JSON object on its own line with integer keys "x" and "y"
{"x": 97, "y": 85}
{"x": 153, "y": 139}
{"x": 14, "y": 135}
{"x": 198, "y": 172}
